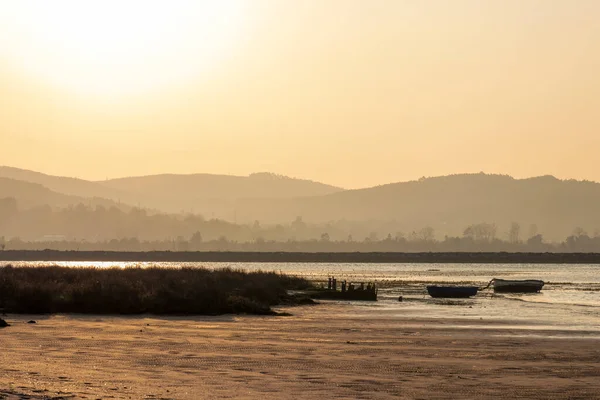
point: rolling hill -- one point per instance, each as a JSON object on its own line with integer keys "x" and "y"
{"x": 30, "y": 195}
{"x": 449, "y": 204}
{"x": 212, "y": 195}
{"x": 68, "y": 186}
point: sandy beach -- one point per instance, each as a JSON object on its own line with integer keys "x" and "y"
{"x": 329, "y": 350}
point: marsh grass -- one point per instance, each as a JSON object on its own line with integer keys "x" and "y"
{"x": 154, "y": 290}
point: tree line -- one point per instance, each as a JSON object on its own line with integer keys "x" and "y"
{"x": 100, "y": 228}
{"x": 421, "y": 241}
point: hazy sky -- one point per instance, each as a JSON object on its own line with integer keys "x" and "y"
{"x": 349, "y": 92}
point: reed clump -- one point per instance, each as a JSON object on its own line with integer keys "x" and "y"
{"x": 154, "y": 290}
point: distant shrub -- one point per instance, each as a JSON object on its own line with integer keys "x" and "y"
{"x": 40, "y": 290}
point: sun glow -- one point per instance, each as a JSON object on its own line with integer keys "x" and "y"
{"x": 115, "y": 47}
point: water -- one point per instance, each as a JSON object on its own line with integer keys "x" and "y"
{"x": 570, "y": 299}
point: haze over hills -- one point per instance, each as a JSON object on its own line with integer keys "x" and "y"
{"x": 210, "y": 194}
{"x": 213, "y": 194}
{"x": 31, "y": 195}
{"x": 451, "y": 203}
{"x": 64, "y": 185}
{"x": 263, "y": 184}
{"x": 447, "y": 204}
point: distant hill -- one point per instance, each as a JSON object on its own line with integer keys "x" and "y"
{"x": 451, "y": 203}
{"x": 64, "y": 185}
{"x": 29, "y": 195}
{"x": 448, "y": 204}
{"x": 263, "y": 185}
{"x": 212, "y": 195}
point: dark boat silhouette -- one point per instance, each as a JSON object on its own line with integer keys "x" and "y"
{"x": 517, "y": 286}
{"x": 452, "y": 292}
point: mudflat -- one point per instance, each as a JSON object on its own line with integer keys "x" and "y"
{"x": 330, "y": 350}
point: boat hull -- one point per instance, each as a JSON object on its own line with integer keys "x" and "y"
{"x": 452, "y": 292}
{"x": 517, "y": 286}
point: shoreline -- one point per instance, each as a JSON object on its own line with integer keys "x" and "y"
{"x": 321, "y": 351}
{"x": 291, "y": 257}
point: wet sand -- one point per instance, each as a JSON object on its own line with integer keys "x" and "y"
{"x": 327, "y": 351}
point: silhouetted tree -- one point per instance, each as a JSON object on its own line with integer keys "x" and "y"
{"x": 579, "y": 231}
{"x": 533, "y": 230}
{"x": 579, "y": 241}
{"x": 426, "y": 234}
{"x": 181, "y": 244}
{"x": 514, "y": 232}
{"x": 196, "y": 241}
{"x": 469, "y": 232}
{"x": 536, "y": 240}
{"x": 298, "y": 224}
{"x": 481, "y": 232}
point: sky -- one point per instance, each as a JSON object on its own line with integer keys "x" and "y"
{"x": 348, "y": 92}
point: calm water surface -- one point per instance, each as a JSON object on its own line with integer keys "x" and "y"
{"x": 570, "y": 300}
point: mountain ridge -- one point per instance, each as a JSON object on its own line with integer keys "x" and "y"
{"x": 31, "y": 195}
{"x": 446, "y": 203}
{"x": 174, "y": 193}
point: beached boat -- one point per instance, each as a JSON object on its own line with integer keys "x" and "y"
{"x": 453, "y": 292}
{"x": 517, "y": 286}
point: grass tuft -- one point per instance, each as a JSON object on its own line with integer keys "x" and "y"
{"x": 154, "y": 290}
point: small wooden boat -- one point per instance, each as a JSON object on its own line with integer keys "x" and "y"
{"x": 452, "y": 292}
{"x": 517, "y": 286}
